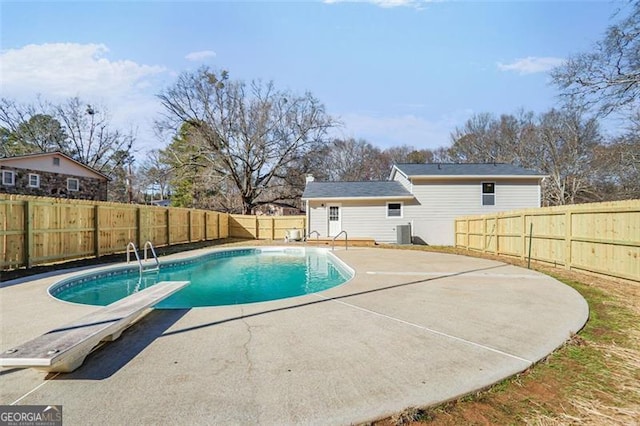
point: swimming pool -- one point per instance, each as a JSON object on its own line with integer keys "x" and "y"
{"x": 224, "y": 277}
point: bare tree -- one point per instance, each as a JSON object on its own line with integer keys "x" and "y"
{"x": 473, "y": 143}
{"x": 250, "y": 133}
{"x": 155, "y": 175}
{"x": 354, "y": 160}
{"x": 618, "y": 165}
{"x": 607, "y": 77}
{"x": 92, "y": 139}
{"x": 411, "y": 154}
{"x": 80, "y": 130}
{"x": 485, "y": 138}
{"x": 567, "y": 143}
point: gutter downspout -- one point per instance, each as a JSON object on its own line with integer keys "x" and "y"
{"x": 308, "y": 217}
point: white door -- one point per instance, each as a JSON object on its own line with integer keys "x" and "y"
{"x": 335, "y": 219}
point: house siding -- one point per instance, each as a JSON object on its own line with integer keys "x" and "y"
{"x": 317, "y": 213}
{"x": 397, "y": 176}
{"x": 441, "y": 201}
{"x": 366, "y": 218}
{"x": 45, "y": 163}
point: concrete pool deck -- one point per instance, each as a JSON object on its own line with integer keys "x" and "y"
{"x": 411, "y": 329}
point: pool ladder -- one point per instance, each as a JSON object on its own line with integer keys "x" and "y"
{"x": 346, "y": 240}
{"x": 333, "y": 241}
{"x": 309, "y": 236}
{"x": 131, "y": 247}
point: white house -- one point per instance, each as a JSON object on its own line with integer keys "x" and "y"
{"x": 427, "y": 197}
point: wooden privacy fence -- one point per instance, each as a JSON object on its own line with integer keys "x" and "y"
{"x": 265, "y": 227}
{"x": 602, "y": 238}
{"x": 38, "y": 230}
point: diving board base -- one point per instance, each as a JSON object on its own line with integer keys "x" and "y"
{"x": 64, "y": 349}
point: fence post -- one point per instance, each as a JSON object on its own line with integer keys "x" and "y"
{"x": 568, "y": 233}
{"x": 484, "y": 234}
{"x": 168, "y": 226}
{"x": 28, "y": 234}
{"x": 273, "y": 228}
{"x": 467, "y": 234}
{"x": 530, "y": 244}
{"x": 139, "y": 226}
{"x": 96, "y": 230}
{"x": 206, "y": 224}
{"x": 190, "y": 222}
{"x": 257, "y": 227}
{"x": 524, "y": 236}
{"x": 495, "y": 235}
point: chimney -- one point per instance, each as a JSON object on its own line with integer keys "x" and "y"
{"x": 309, "y": 178}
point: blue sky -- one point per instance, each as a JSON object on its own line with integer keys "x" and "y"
{"x": 393, "y": 71}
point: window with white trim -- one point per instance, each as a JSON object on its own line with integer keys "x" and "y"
{"x": 394, "y": 210}
{"x": 73, "y": 184}
{"x": 488, "y": 193}
{"x": 8, "y": 178}
{"x": 34, "y": 180}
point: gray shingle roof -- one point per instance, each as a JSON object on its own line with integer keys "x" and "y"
{"x": 449, "y": 169}
{"x": 366, "y": 189}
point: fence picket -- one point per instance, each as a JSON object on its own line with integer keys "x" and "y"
{"x": 600, "y": 238}
{"x": 39, "y": 230}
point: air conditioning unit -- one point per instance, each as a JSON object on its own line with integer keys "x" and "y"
{"x": 404, "y": 234}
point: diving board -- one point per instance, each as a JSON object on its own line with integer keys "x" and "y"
{"x": 65, "y": 348}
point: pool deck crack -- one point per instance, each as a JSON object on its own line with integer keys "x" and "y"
{"x": 246, "y": 344}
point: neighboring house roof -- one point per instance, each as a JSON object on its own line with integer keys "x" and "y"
{"x": 9, "y": 160}
{"x": 366, "y": 190}
{"x": 436, "y": 170}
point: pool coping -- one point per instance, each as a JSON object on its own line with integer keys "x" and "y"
{"x": 410, "y": 329}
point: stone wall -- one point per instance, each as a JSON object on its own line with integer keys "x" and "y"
{"x": 55, "y": 185}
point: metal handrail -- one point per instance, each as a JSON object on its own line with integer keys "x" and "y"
{"x": 148, "y": 244}
{"x": 346, "y": 240}
{"x": 132, "y": 247}
{"x": 310, "y": 234}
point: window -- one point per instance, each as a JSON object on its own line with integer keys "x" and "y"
{"x": 73, "y": 184}
{"x": 334, "y": 213}
{"x": 394, "y": 210}
{"x": 56, "y": 161}
{"x": 8, "y": 178}
{"x": 488, "y": 193}
{"x": 34, "y": 180}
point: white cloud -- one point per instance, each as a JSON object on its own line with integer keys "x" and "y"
{"x": 531, "y": 65}
{"x": 200, "y": 55}
{"x": 69, "y": 69}
{"x": 57, "y": 71}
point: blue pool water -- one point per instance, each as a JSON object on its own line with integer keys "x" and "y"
{"x": 221, "y": 278}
